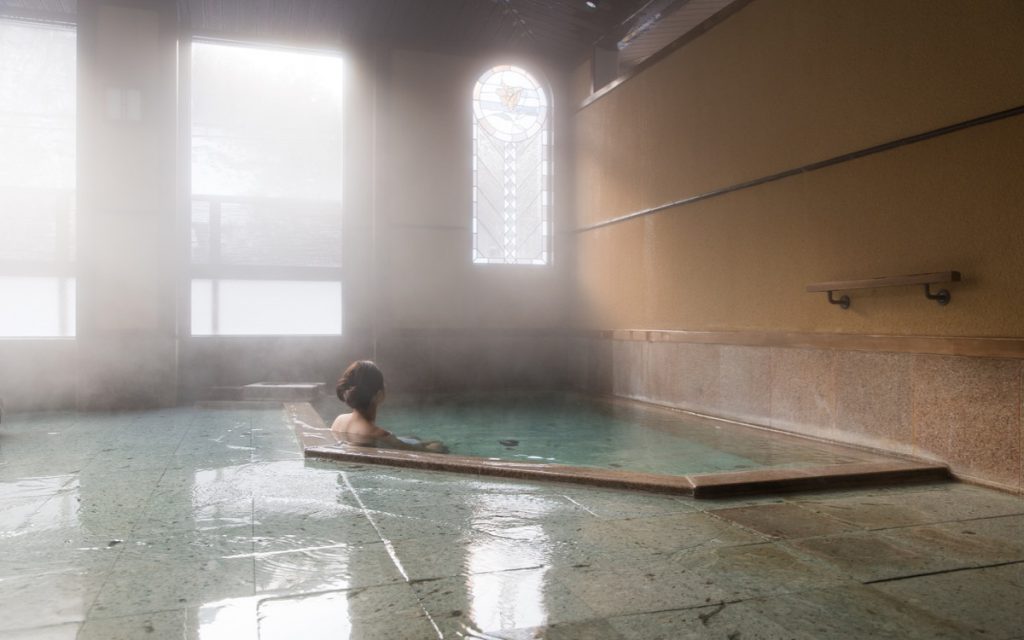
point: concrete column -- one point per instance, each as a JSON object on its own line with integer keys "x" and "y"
{"x": 127, "y": 244}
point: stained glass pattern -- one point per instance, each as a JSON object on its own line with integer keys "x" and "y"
{"x": 511, "y": 168}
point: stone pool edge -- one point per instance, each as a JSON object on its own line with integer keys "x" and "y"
{"x": 316, "y": 442}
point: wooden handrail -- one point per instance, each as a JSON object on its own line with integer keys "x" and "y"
{"x": 927, "y": 279}
{"x": 886, "y": 281}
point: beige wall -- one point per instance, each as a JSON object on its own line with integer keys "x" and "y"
{"x": 425, "y": 210}
{"x": 780, "y": 84}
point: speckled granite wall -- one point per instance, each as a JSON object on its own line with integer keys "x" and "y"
{"x": 965, "y": 411}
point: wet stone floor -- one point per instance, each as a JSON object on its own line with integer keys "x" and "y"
{"x": 201, "y": 523}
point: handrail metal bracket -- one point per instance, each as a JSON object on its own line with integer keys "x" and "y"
{"x": 942, "y": 296}
{"x": 844, "y": 301}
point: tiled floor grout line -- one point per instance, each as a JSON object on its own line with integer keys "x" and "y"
{"x": 930, "y": 523}
{"x": 391, "y": 552}
{"x": 943, "y": 571}
{"x": 581, "y": 506}
{"x": 252, "y": 509}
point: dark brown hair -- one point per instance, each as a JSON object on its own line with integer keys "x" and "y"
{"x": 359, "y": 384}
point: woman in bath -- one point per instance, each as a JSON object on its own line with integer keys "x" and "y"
{"x": 362, "y": 388}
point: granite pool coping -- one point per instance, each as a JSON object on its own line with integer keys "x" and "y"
{"x": 316, "y": 440}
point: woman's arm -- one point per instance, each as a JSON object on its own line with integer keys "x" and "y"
{"x": 390, "y": 441}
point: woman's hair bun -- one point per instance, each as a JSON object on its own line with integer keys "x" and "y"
{"x": 360, "y": 383}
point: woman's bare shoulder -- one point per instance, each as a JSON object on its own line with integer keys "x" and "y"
{"x": 354, "y": 424}
{"x": 340, "y": 424}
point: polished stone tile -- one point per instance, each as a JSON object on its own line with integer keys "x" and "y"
{"x": 33, "y": 487}
{"x": 18, "y": 467}
{"x": 894, "y": 509}
{"x": 752, "y": 571}
{"x": 719, "y": 620}
{"x": 629, "y": 369}
{"x": 154, "y": 574}
{"x": 15, "y": 513}
{"x": 783, "y": 521}
{"x": 1000, "y": 531}
{"x": 166, "y": 513}
{"x": 986, "y": 601}
{"x": 490, "y": 602}
{"x": 389, "y": 612}
{"x": 803, "y": 390}
{"x": 56, "y": 551}
{"x": 603, "y": 503}
{"x": 278, "y": 531}
{"x": 691, "y": 376}
{"x": 48, "y": 596}
{"x": 393, "y": 527}
{"x": 744, "y": 384}
{"x": 450, "y": 556}
{"x": 67, "y": 631}
{"x": 156, "y": 625}
{"x": 323, "y": 568}
{"x": 967, "y": 411}
{"x": 657, "y": 585}
{"x": 868, "y": 557}
{"x": 733, "y": 502}
{"x": 586, "y": 630}
{"x": 960, "y": 544}
{"x": 567, "y": 544}
{"x": 663, "y": 370}
{"x": 873, "y": 397}
{"x": 853, "y": 612}
{"x": 668, "y": 533}
{"x": 480, "y": 510}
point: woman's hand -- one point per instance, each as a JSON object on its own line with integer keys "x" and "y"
{"x": 435, "y": 446}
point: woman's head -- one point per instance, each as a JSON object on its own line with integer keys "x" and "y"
{"x": 360, "y": 384}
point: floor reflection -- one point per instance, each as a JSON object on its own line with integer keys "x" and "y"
{"x": 313, "y": 617}
{"x": 506, "y": 599}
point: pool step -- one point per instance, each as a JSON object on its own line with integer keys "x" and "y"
{"x": 284, "y": 391}
{"x": 273, "y": 391}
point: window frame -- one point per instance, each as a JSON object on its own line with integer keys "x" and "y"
{"x": 63, "y": 268}
{"x": 547, "y": 143}
{"x": 214, "y": 270}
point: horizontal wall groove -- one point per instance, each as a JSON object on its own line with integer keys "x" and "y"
{"x": 814, "y": 166}
{"x": 938, "y": 345}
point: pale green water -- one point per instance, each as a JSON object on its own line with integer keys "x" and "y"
{"x": 579, "y": 430}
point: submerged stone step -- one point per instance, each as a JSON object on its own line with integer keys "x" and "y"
{"x": 283, "y": 391}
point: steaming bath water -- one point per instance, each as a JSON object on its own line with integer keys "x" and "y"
{"x": 584, "y": 431}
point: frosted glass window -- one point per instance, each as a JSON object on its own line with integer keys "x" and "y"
{"x": 277, "y": 234}
{"x": 266, "y": 307}
{"x": 266, "y": 122}
{"x": 265, "y": 225}
{"x": 200, "y": 232}
{"x": 37, "y": 179}
{"x": 37, "y": 307}
{"x": 511, "y": 168}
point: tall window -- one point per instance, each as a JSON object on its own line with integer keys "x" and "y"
{"x": 511, "y": 169}
{"x": 37, "y": 180}
{"x": 266, "y": 191}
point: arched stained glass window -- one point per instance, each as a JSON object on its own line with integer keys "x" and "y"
{"x": 511, "y": 168}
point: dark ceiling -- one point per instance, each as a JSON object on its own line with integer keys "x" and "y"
{"x": 561, "y": 32}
